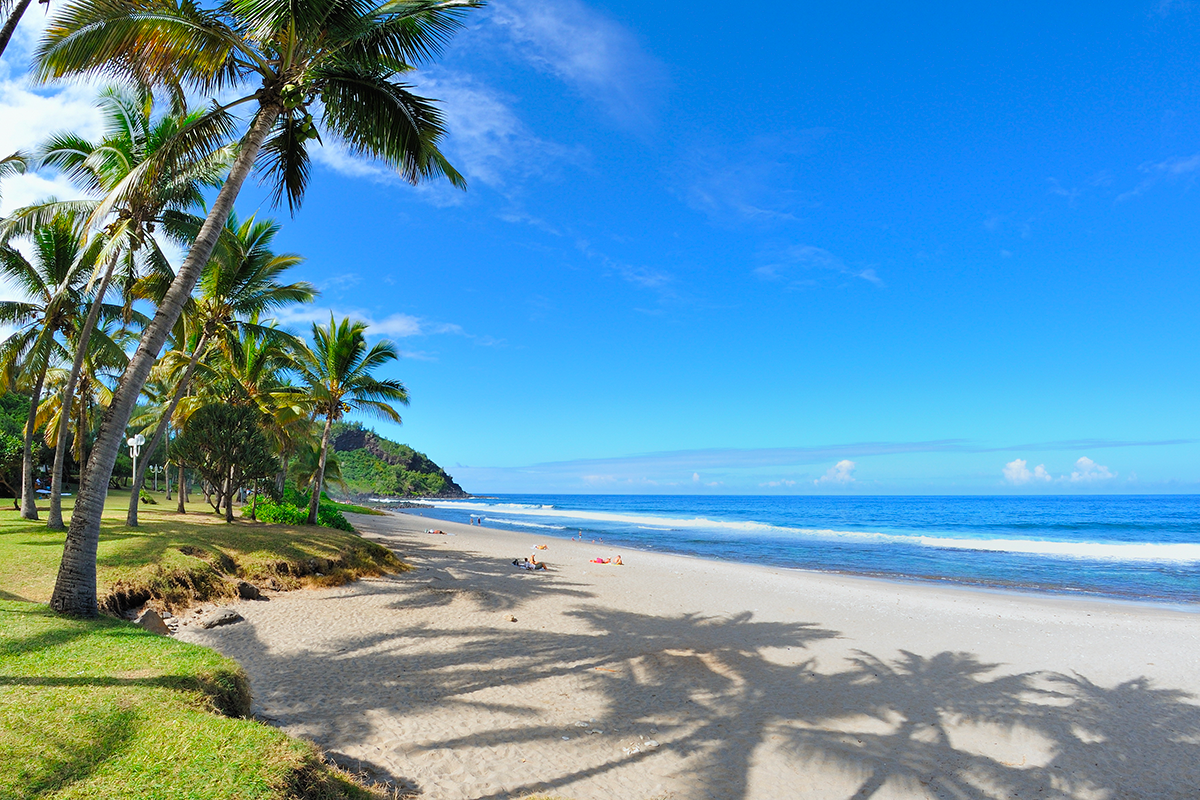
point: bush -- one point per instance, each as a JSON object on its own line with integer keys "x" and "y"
{"x": 286, "y": 513}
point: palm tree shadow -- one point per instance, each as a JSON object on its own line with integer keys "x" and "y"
{"x": 716, "y": 691}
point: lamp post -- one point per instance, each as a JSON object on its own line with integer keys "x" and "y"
{"x": 135, "y": 446}
{"x": 156, "y": 470}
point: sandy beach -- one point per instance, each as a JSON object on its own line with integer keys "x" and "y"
{"x": 674, "y": 677}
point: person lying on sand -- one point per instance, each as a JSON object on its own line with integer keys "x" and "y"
{"x": 525, "y": 563}
{"x": 431, "y": 530}
{"x": 613, "y": 560}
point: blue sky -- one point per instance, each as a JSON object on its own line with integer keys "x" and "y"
{"x": 919, "y": 248}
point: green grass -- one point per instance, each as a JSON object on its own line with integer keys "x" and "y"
{"x": 181, "y": 559}
{"x": 100, "y": 708}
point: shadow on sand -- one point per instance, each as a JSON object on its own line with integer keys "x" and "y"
{"x": 933, "y": 725}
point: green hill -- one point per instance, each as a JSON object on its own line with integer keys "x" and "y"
{"x": 373, "y": 466}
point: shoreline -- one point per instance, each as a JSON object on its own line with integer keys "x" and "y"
{"x": 467, "y": 678}
{"x": 916, "y": 580}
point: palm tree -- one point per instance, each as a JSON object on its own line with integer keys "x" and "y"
{"x": 147, "y": 172}
{"x": 336, "y": 372}
{"x": 105, "y": 359}
{"x": 338, "y": 56}
{"x": 239, "y": 283}
{"x": 14, "y": 164}
{"x": 15, "y": 12}
{"x": 52, "y": 282}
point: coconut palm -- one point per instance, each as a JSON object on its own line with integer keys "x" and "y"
{"x": 338, "y": 57}
{"x": 14, "y": 12}
{"x": 336, "y": 376}
{"x": 14, "y": 164}
{"x": 53, "y": 283}
{"x": 105, "y": 359}
{"x": 147, "y": 172}
{"x": 239, "y": 283}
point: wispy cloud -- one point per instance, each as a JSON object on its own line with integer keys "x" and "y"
{"x": 798, "y": 266}
{"x": 759, "y": 184}
{"x": 659, "y": 281}
{"x": 392, "y": 326}
{"x": 587, "y": 50}
{"x": 1171, "y": 170}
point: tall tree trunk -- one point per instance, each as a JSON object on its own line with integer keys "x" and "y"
{"x": 182, "y": 490}
{"x": 75, "y": 586}
{"x": 28, "y": 491}
{"x": 10, "y": 24}
{"x": 55, "y": 521}
{"x": 229, "y": 490}
{"x": 319, "y": 478}
{"x": 131, "y": 518}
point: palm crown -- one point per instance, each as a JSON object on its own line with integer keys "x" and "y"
{"x": 336, "y": 372}
{"x": 339, "y": 58}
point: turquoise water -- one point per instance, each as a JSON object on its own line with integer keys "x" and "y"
{"x": 1131, "y": 547}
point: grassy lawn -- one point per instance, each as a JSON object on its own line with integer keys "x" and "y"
{"x": 102, "y": 709}
{"x": 180, "y": 559}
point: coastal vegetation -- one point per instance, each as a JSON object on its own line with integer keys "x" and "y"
{"x": 373, "y": 466}
{"x": 101, "y": 708}
{"x": 105, "y": 300}
{"x": 114, "y": 345}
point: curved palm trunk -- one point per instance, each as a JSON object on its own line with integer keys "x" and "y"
{"x": 55, "y": 521}
{"x": 28, "y": 495}
{"x": 10, "y": 24}
{"x": 75, "y": 587}
{"x": 131, "y": 518}
{"x": 319, "y": 480}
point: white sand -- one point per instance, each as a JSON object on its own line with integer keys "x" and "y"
{"x": 755, "y": 682}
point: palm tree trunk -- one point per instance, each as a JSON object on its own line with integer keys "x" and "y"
{"x": 131, "y": 518}
{"x": 319, "y": 478}
{"x": 182, "y": 490}
{"x": 10, "y": 24}
{"x": 229, "y": 490}
{"x": 75, "y": 586}
{"x": 28, "y": 493}
{"x": 55, "y": 521}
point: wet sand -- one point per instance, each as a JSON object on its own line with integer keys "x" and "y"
{"x": 683, "y": 678}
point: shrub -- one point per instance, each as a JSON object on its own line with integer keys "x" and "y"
{"x": 287, "y": 513}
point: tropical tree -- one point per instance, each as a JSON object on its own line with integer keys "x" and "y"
{"x": 336, "y": 373}
{"x": 226, "y": 445}
{"x": 13, "y": 13}
{"x": 104, "y": 361}
{"x": 147, "y": 172}
{"x": 338, "y": 57}
{"x": 13, "y": 164}
{"x": 239, "y": 283}
{"x": 260, "y": 377}
{"x": 52, "y": 282}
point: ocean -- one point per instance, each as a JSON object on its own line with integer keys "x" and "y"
{"x": 1144, "y": 548}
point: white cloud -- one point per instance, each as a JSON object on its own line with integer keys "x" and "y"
{"x": 840, "y": 473}
{"x": 1017, "y": 473}
{"x": 1088, "y": 471}
{"x": 588, "y": 51}
{"x": 778, "y": 483}
{"x": 695, "y": 477}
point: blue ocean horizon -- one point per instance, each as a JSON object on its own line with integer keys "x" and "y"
{"x": 1129, "y": 547}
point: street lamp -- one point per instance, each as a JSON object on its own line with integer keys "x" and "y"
{"x": 135, "y": 447}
